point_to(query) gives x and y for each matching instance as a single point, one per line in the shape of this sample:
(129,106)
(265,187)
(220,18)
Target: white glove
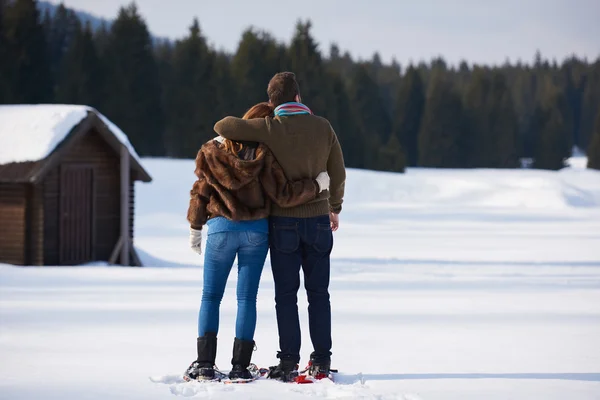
(323,181)
(196,240)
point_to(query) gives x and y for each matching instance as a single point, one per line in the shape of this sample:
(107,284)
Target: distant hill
(84,17)
(95,22)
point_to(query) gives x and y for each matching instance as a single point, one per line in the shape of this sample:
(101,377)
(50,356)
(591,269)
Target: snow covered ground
(446,284)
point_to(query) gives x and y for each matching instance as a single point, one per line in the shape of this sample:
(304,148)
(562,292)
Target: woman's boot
(204,366)
(242,354)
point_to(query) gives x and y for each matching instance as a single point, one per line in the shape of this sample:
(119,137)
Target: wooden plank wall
(131,205)
(12,223)
(77,203)
(35,225)
(51,216)
(90,149)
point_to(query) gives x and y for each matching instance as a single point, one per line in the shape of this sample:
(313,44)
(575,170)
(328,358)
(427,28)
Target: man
(304,145)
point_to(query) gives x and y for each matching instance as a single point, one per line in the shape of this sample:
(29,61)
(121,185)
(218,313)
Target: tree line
(167,95)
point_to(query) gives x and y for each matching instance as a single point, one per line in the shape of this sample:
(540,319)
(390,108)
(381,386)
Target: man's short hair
(283,88)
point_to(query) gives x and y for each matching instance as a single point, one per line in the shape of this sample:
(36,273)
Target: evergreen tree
(5,72)
(591,102)
(163,54)
(504,125)
(391,156)
(556,80)
(593,152)
(61,30)
(441,141)
(438,64)
(343,121)
(463,75)
(573,80)
(256,60)
(523,93)
(101,39)
(477,108)
(81,80)
(376,64)
(133,90)
(371,118)
(491,129)
(226,92)
(341,64)
(552,145)
(408,113)
(306,62)
(191,98)
(387,78)
(30,79)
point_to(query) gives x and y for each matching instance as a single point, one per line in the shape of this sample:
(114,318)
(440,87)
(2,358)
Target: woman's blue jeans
(221,249)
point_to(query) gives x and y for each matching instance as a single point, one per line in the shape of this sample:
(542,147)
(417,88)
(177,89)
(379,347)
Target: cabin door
(76,214)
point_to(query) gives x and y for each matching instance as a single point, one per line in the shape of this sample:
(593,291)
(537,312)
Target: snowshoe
(196,372)
(319,370)
(315,371)
(245,375)
(286,371)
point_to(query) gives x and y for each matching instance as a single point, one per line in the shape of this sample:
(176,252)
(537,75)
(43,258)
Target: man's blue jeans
(306,243)
(221,249)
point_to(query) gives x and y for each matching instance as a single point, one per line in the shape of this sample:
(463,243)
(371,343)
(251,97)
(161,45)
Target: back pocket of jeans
(324,238)
(285,238)
(217,241)
(257,238)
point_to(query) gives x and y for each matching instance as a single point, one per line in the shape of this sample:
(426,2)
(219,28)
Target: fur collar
(227,169)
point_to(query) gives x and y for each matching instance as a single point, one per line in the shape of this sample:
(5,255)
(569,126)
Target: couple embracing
(273,179)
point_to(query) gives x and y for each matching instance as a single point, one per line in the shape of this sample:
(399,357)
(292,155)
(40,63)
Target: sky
(478,31)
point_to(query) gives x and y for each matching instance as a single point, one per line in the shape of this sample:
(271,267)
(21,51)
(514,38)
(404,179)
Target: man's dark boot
(242,354)
(286,371)
(204,366)
(319,368)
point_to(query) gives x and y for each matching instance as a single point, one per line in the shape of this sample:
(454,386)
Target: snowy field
(446,285)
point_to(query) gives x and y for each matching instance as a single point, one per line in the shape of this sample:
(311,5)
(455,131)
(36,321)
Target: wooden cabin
(67,192)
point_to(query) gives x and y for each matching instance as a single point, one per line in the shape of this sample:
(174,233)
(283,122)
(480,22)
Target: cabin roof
(33,137)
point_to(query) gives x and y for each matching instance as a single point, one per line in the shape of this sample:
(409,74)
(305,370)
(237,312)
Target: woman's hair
(260,110)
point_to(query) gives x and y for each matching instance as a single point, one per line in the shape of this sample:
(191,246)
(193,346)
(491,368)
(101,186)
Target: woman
(237,183)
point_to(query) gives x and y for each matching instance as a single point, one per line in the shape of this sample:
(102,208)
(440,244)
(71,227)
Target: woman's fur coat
(242,190)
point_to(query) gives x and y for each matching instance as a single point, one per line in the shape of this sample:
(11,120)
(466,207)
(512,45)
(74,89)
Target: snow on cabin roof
(32,132)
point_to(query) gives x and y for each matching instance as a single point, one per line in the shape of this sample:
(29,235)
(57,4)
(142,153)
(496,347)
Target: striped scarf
(291,108)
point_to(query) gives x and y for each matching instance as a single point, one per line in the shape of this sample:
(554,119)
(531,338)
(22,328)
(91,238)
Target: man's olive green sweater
(304,145)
